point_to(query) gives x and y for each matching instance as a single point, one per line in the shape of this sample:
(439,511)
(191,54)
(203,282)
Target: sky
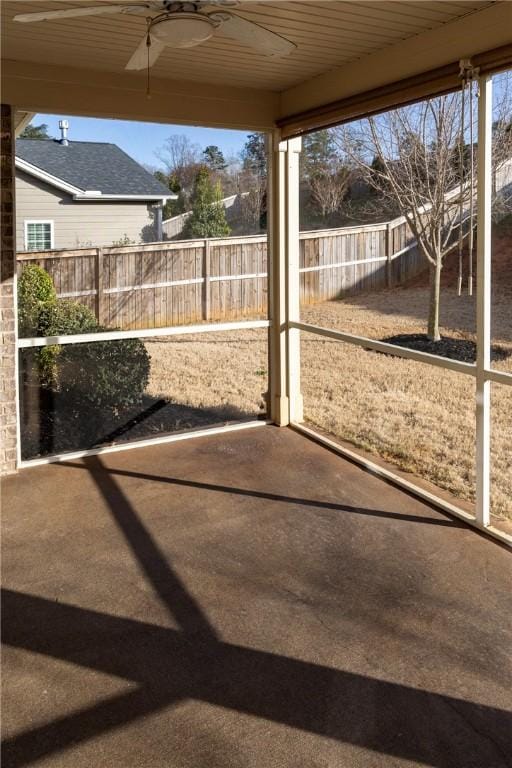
(140,140)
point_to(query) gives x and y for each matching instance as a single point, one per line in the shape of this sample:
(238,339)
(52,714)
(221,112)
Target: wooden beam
(67,90)
(21,120)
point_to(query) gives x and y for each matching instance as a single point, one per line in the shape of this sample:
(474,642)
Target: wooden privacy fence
(175,283)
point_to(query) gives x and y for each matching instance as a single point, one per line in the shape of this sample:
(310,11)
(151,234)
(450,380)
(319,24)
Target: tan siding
(78,224)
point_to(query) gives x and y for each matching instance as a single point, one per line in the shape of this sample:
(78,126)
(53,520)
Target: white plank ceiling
(328,34)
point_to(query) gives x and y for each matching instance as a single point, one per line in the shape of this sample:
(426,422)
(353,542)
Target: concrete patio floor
(247,600)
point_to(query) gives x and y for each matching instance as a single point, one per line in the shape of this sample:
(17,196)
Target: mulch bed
(455,349)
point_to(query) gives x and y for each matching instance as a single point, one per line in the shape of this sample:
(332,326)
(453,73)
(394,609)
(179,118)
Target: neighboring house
(78,193)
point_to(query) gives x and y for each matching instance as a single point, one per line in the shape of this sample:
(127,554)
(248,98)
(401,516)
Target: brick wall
(7,313)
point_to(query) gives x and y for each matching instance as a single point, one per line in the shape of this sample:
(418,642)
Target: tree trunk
(435,297)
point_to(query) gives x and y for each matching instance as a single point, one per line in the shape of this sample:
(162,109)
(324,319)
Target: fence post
(206,281)
(389,255)
(98,279)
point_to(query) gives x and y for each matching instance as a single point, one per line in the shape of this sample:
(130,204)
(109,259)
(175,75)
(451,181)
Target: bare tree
(502,145)
(328,189)
(252,181)
(410,156)
(252,191)
(322,174)
(181,158)
(177,152)
(418,158)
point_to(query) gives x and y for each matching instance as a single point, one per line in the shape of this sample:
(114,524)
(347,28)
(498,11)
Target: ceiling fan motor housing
(181,29)
(179,24)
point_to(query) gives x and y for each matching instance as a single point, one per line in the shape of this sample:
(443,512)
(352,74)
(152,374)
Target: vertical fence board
(135,287)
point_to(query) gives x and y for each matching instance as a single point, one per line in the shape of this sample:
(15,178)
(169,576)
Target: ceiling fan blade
(139,59)
(249,33)
(69,13)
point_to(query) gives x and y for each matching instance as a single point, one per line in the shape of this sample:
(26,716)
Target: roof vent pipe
(63,125)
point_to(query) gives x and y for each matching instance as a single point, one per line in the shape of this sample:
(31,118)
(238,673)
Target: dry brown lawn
(415,416)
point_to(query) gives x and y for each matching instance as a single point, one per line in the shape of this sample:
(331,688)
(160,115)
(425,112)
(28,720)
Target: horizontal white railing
(139,333)
(389,349)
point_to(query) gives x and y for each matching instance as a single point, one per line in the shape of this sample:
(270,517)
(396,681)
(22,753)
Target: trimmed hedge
(66,317)
(92,382)
(103,375)
(35,290)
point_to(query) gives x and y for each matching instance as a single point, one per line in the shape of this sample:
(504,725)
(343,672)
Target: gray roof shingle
(91,165)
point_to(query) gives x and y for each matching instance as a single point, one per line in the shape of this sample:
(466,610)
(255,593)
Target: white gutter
(100,196)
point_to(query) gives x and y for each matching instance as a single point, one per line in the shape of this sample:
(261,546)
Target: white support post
(293,150)
(276,251)
(285,398)
(483,303)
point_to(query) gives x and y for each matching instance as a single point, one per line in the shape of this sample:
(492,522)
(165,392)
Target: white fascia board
(33,170)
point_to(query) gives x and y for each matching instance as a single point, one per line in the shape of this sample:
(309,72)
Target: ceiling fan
(179,25)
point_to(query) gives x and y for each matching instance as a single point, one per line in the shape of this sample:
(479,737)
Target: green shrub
(35,291)
(66,317)
(124,240)
(94,377)
(61,318)
(103,377)
(208,217)
(87,383)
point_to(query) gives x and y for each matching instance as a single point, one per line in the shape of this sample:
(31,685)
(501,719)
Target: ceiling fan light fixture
(184,30)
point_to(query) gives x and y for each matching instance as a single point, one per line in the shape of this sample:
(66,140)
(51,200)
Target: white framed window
(38,235)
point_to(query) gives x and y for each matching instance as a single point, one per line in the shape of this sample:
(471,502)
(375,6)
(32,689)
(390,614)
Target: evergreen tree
(35,132)
(323,175)
(318,154)
(254,155)
(171,180)
(208,217)
(162,177)
(218,224)
(378,169)
(253,180)
(214,158)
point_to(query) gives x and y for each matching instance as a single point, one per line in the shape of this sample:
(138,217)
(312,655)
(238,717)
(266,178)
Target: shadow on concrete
(48,427)
(167,666)
(334,506)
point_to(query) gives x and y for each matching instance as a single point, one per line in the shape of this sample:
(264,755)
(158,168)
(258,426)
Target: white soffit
(328,35)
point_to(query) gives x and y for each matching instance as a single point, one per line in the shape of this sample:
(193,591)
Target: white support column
(283,227)
(278,406)
(293,150)
(483,302)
